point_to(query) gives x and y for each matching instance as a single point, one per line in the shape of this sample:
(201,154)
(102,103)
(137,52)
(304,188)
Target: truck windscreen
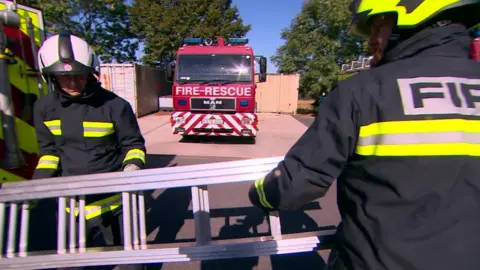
(214,67)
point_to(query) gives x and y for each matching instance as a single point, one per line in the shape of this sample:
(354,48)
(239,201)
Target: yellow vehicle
(22,33)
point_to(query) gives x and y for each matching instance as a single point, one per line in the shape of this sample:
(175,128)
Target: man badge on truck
(212,103)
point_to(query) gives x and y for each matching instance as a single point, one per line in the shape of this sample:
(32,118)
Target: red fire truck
(475,46)
(214,87)
(21,34)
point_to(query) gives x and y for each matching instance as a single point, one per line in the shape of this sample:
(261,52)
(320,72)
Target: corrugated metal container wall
(279,94)
(150,83)
(120,79)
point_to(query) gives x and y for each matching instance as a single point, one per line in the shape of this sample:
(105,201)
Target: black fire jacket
(94,133)
(403,142)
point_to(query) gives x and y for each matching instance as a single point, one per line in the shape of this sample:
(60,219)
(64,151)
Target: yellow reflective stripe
(6,177)
(26,136)
(48,162)
(97,208)
(261,193)
(17,77)
(25,83)
(416,126)
(97,129)
(135,154)
(446,137)
(54,126)
(448,149)
(37,29)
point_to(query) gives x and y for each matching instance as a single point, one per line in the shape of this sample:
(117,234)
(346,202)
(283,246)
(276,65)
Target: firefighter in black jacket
(84,129)
(402,140)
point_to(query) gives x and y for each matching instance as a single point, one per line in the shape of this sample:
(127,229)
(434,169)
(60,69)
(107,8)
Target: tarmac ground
(169,214)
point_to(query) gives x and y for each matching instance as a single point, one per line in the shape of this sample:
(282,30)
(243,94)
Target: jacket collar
(446,41)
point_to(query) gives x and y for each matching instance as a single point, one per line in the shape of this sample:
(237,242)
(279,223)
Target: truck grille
(213,104)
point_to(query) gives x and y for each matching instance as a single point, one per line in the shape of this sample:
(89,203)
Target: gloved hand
(131,167)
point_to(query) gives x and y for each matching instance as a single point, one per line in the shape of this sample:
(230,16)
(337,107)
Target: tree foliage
(163,24)
(104,24)
(317,43)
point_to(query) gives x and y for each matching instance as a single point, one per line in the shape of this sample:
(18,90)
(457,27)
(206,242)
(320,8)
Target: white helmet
(66,54)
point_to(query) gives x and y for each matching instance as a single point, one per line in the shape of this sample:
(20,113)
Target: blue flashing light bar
(192,41)
(476,33)
(238,41)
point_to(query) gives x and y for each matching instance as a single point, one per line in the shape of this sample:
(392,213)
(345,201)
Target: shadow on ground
(291,222)
(218,139)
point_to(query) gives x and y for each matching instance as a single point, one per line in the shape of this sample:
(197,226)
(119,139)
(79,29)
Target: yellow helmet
(410,13)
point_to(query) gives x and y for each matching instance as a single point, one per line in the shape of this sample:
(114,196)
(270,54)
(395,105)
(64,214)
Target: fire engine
(21,34)
(213,88)
(475,46)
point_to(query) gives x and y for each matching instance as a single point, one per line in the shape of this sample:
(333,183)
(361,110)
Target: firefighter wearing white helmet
(402,141)
(84,129)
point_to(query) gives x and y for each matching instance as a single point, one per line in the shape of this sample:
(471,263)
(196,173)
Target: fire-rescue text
(213,91)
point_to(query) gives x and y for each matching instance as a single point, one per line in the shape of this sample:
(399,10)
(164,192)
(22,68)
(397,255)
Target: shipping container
(140,85)
(279,94)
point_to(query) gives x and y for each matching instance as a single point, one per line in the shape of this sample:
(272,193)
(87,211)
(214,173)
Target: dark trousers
(101,231)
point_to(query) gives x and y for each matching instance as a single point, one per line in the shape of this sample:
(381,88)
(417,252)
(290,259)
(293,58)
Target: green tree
(317,43)
(163,24)
(104,24)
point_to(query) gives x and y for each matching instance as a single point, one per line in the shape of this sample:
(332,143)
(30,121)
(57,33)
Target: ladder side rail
(196,179)
(133,181)
(148,172)
(304,242)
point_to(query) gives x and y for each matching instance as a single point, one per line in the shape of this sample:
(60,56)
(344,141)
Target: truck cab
(213,92)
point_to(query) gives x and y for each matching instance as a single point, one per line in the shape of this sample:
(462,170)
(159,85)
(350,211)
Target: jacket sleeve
(129,135)
(49,162)
(315,160)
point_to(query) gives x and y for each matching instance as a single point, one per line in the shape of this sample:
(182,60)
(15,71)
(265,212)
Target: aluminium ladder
(73,253)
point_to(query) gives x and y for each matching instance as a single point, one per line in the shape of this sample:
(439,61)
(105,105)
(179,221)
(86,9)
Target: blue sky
(268,18)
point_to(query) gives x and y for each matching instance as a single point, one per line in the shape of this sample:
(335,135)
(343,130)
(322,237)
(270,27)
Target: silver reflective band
(97,129)
(91,129)
(48,162)
(421,138)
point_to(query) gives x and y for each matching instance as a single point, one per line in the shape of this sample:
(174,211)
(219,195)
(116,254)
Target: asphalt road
(307,120)
(169,212)
(170,215)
